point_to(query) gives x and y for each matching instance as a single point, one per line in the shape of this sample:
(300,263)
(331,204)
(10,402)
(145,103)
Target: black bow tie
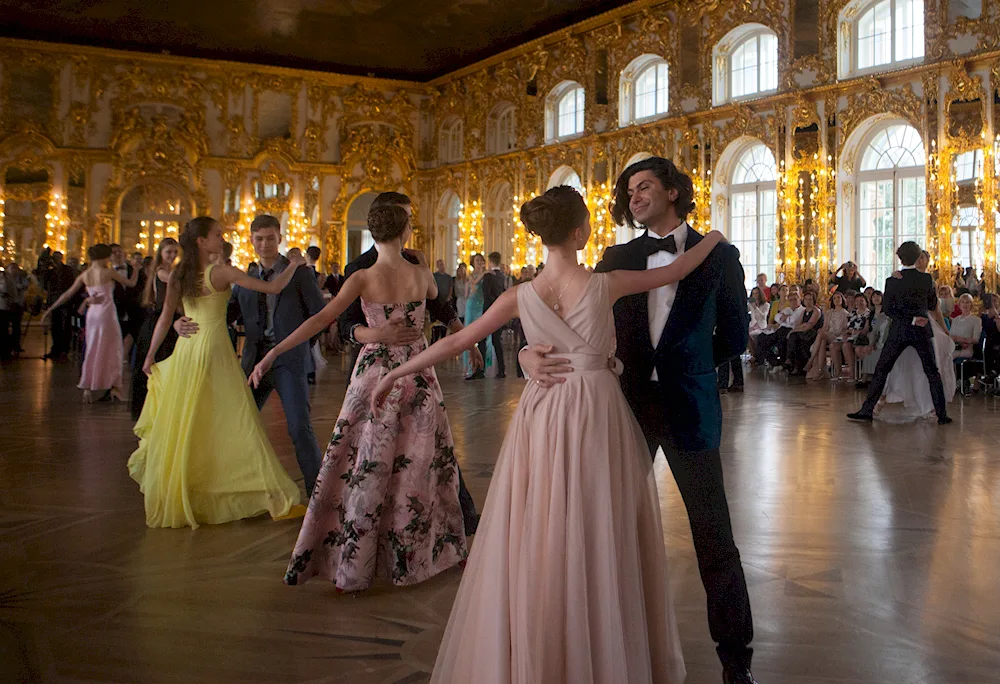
(655,244)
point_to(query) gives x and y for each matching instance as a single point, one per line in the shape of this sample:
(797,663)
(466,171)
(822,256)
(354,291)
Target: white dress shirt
(791,318)
(661,300)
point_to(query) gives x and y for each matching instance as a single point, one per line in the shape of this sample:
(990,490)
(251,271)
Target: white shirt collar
(680,235)
(907,268)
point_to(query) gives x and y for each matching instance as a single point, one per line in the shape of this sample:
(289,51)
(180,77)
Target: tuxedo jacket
(908,297)
(708,326)
(297,302)
(493,287)
(355,315)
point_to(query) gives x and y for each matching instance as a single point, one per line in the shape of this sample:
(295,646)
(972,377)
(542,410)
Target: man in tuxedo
(907,301)
(267,320)
(494,284)
(670,341)
(56,278)
(354,327)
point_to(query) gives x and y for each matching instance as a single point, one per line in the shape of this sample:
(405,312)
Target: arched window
(880,33)
(501,133)
(891,199)
(746,63)
(564,108)
(450,142)
(642,91)
(565,175)
(753,211)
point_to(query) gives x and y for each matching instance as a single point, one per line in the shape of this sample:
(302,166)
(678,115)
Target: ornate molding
(874,99)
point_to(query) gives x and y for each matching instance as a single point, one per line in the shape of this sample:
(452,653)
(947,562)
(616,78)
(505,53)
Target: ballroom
(817,136)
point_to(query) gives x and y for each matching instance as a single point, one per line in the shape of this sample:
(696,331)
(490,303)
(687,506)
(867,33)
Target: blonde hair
(967,298)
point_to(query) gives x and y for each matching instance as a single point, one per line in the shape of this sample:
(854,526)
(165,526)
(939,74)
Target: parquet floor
(872,553)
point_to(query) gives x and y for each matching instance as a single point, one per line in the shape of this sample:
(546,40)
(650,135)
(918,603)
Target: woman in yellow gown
(204,456)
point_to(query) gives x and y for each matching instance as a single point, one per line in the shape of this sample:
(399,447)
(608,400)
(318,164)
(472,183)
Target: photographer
(847,279)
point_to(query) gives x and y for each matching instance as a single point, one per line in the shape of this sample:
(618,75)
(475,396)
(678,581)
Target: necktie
(655,244)
(265,275)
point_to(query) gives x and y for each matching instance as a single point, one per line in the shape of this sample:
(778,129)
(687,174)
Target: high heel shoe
(117,396)
(88,397)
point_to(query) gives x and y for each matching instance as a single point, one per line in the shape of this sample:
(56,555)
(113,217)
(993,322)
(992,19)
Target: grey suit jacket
(297,302)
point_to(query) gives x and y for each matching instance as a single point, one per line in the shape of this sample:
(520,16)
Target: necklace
(557,306)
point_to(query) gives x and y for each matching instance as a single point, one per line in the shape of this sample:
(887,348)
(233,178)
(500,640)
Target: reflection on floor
(872,552)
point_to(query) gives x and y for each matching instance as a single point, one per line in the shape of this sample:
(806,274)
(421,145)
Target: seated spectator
(771,346)
(762,285)
(991,331)
(832,334)
(877,335)
(947,304)
(778,304)
(967,332)
(759,309)
(858,327)
(847,278)
(802,336)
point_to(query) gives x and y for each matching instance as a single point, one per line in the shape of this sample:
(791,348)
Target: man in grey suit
(267,320)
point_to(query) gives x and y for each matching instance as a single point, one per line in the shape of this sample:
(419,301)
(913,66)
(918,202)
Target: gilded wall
(104,145)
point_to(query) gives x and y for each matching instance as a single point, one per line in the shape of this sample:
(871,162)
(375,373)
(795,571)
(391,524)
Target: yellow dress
(204,456)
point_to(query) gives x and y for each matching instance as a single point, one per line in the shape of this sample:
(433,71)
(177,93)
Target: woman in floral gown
(386,500)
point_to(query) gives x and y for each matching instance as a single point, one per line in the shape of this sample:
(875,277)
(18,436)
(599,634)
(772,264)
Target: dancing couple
(911,302)
(567,581)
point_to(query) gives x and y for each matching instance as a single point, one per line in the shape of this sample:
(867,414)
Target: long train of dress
(907,384)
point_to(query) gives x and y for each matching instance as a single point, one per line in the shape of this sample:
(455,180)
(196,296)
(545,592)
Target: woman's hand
(381,392)
(296,261)
(147,366)
(260,370)
(418,255)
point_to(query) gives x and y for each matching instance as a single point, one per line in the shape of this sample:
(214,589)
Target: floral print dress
(386,501)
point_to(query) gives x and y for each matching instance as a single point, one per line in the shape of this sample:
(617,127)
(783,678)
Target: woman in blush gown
(907,384)
(386,500)
(567,581)
(102,360)
(204,456)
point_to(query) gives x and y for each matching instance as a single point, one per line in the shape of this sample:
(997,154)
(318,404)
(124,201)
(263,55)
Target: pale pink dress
(102,358)
(386,500)
(567,579)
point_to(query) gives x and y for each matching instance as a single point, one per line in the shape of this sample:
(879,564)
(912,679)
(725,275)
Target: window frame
(628,97)
(757,188)
(852,25)
(553,114)
(723,52)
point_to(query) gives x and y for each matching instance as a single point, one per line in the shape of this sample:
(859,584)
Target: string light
(470,231)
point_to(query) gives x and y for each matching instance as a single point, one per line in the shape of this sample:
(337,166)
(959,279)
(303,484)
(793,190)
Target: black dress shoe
(863,417)
(478,375)
(738,389)
(945,420)
(501,376)
(737,675)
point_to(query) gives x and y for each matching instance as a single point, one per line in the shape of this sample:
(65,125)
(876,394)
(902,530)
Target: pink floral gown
(386,501)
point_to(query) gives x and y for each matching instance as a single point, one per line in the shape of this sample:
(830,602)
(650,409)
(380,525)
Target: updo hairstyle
(555,215)
(386,223)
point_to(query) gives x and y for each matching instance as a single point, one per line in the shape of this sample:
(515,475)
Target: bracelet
(353,328)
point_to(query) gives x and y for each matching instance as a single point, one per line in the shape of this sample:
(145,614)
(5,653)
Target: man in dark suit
(267,320)
(907,301)
(670,341)
(494,284)
(56,278)
(354,326)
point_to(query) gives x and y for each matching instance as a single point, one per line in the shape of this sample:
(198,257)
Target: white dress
(908,385)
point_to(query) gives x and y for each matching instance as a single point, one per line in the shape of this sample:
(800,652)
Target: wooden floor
(872,552)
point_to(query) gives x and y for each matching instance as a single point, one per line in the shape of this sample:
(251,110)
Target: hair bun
(554,215)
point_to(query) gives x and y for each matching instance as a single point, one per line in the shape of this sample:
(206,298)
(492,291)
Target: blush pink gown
(102,359)
(567,579)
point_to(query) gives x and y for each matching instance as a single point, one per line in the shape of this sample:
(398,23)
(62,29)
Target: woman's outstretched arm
(624,283)
(503,310)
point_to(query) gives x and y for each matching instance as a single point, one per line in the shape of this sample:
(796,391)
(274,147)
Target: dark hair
(670,178)
(495,258)
(390,199)
(759,297)
(313,252)
(872,299)
(809,293)
(148,296)
(264,221)
(99,251)
(555,215)
(387,222)
(843,300)
(472,259)
(187,273)
(113,245)
(227,250)
(908,253)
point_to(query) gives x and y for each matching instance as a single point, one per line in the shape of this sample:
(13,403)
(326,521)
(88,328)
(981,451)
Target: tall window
(745,63)
(753,211)
(969,166)
(643,90)
(892,199)
(450,142)
(887,32)
(564,110)
(501,135)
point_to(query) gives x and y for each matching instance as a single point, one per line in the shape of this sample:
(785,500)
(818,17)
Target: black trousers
(736,366)
(61,331)
(797,346)
(901,337)
(497,348)
(699,478)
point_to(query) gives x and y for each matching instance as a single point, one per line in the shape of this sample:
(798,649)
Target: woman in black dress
(153,296)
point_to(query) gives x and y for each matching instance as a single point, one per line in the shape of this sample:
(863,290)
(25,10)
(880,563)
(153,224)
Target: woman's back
(398,283)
